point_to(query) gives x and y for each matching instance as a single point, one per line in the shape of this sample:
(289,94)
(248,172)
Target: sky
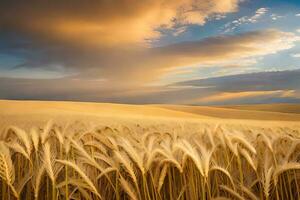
(197,52)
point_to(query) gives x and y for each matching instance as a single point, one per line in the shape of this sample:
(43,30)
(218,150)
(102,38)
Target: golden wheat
(122,162)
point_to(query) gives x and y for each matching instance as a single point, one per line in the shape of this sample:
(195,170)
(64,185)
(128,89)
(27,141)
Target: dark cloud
(264,87)
(277,80)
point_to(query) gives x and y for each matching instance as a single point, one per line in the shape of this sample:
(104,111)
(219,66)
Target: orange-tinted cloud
(148,65)
(106,23)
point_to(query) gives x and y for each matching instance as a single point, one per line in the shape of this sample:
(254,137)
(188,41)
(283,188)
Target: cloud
(275,17)
(276,80)
(297,15)
(213,51)
(71,89)
(281,86)
(106,23)
(179,31)
(296,55)
(103,50)
(142,66)
(106,39)
(224,97)
(259,13)
(262,87)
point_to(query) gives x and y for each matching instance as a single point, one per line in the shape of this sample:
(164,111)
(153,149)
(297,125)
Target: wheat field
(106,151)
(77,161)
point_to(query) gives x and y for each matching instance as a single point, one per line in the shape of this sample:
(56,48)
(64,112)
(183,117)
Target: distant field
(269,112)
(283,108)
(30,113)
